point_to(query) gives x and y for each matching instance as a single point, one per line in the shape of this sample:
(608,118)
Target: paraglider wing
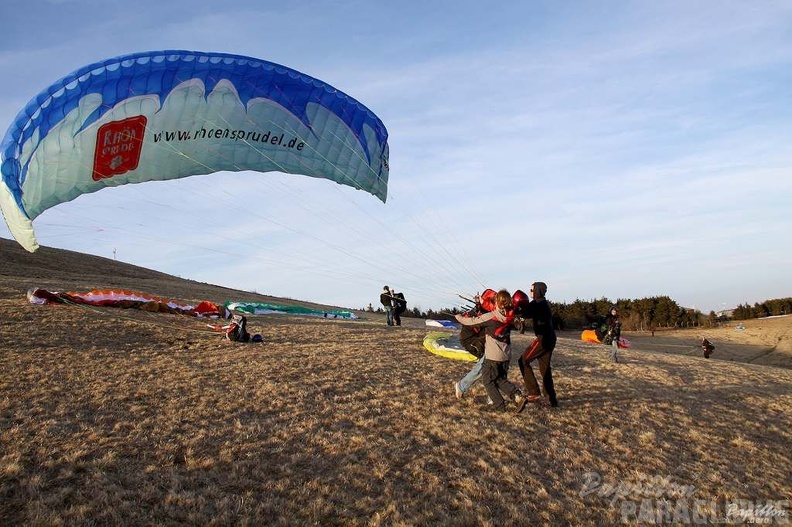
(268,308)
(447,345)
(123,299)
(172,114)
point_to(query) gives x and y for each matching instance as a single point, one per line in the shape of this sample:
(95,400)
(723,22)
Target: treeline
(768,308)
(645,314)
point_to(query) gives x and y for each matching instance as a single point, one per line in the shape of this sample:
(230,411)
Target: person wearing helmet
(613,332)
(472,339)
(497,352)
(541,348)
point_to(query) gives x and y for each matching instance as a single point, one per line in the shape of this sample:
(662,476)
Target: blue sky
(610,149)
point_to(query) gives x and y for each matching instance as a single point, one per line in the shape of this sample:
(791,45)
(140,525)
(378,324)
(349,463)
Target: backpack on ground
(237,331)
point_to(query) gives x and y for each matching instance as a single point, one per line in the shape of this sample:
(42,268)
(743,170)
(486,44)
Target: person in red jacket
(497,352)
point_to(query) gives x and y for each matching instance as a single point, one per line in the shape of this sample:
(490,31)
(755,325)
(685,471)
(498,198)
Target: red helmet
(488,300)
(520,299)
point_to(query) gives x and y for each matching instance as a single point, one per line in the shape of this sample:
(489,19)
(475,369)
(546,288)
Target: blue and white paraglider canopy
(171,114)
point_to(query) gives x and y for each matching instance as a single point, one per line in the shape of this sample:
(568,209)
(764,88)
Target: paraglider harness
(237,331)
(609,329)
(471,337)
(399,306)
(503,332)
(399,303)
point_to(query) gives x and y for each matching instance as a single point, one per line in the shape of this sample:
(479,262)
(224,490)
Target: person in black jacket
(399,306)
(706,347)
(541,349)
(613,332)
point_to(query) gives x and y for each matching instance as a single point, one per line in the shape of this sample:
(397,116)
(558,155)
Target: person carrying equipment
(399,306)
(472,339)
(497,352)
(387,302)
(706,347)
(613,333)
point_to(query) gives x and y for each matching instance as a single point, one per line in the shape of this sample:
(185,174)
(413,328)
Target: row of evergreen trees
(662,312)
(636,315)
(768,308)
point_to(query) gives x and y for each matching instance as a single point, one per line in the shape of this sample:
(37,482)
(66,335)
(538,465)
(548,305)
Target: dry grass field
(766,341)
(122,417)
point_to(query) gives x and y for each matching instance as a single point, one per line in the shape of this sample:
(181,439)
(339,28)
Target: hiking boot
(458,391)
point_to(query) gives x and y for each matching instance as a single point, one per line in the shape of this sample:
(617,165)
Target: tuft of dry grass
(129,418)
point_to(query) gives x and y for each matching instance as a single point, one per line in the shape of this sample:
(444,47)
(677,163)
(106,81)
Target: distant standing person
(497,352)
(399,306)
(613,333)
(541,349)
(386,299)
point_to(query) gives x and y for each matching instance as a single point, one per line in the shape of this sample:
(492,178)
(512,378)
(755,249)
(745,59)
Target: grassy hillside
(126,418)
(60,270)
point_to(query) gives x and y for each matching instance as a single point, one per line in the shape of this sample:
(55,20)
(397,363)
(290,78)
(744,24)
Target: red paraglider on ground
(125,300)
